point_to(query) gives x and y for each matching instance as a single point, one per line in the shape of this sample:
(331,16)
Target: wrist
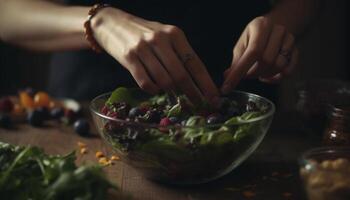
(107,15)
(90,35)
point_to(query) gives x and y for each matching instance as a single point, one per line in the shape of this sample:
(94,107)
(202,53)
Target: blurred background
(323,54)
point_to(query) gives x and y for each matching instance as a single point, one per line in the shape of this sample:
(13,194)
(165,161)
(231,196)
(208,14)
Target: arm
(155,54)
(42,25)
(266,48)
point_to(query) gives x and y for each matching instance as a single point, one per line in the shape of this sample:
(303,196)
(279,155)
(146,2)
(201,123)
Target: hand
(265,51)
(158,56)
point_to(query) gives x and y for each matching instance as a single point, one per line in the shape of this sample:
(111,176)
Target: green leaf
(159,99)
(174,111)
(29,173)
(122,94)
(165,149)
(195,121)
(244,117)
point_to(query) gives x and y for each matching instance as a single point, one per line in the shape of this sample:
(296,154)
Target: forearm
(42,25)
(295,15)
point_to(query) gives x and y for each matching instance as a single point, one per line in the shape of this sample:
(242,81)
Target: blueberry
(82,127)
(44,112)
(134,112)
(35,118)
(251,107)
(57,113)
(5,121)
(173,120)
(214,118)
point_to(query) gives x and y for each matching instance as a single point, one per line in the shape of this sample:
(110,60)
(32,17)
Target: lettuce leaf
(122,94)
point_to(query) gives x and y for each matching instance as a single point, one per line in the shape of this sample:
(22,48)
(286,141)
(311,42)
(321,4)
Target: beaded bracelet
(89,36)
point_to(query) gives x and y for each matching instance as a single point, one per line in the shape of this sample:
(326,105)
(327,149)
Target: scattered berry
(6,105)
(35,118)
(57,113)
(5,121)
(70,116)
(82,127)
(44,112)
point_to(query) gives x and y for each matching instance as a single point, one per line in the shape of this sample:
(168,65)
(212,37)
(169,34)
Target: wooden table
(270,173)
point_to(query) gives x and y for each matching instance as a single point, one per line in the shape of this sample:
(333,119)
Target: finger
(257,42)
(266,64)
(195,67)
(272,80)
(292,64)
(238,51)
(286,72)
(177,71)
(137,70)
(283,57)
(156,69)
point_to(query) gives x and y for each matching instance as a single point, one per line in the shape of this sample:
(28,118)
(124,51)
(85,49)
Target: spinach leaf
(29,173)
(122,94)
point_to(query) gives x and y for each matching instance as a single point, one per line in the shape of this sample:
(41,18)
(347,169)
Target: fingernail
(225,89)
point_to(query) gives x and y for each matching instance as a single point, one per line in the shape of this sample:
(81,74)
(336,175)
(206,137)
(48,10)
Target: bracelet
(89,36)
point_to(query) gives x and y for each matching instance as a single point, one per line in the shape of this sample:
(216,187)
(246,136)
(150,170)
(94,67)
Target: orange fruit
(42,99)
(26,100)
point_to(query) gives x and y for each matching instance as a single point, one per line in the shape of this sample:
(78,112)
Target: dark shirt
(212,28)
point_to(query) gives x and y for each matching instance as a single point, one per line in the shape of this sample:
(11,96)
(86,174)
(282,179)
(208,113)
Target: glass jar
(311,111)
(325,171)
(313,98)
(337,131)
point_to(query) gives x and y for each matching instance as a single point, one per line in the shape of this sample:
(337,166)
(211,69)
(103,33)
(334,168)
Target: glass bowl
(160,155)
(325,173)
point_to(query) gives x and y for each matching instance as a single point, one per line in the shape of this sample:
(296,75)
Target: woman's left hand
(265,51)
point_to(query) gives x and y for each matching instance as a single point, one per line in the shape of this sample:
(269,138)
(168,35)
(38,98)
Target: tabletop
(270,173)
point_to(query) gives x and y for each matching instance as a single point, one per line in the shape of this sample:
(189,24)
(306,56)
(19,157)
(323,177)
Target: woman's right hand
(158,56)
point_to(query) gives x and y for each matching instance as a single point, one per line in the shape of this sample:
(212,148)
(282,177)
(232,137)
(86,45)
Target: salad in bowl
(171,140)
